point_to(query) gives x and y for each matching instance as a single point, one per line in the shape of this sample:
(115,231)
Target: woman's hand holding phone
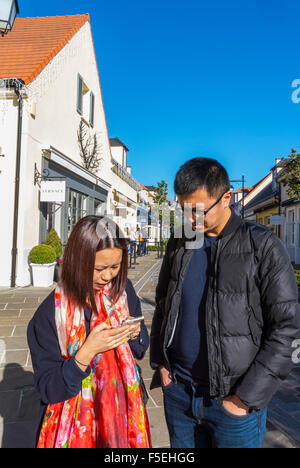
(101,339)
(135,322)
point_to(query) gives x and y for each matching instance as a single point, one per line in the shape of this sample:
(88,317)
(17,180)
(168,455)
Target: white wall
(8,142)
(55,124)
(118,154)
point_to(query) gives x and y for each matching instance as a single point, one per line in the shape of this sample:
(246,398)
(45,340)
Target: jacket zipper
(176,290)
(216,323)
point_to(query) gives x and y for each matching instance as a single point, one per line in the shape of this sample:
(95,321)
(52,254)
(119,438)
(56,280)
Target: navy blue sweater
(58,379)
(188,353)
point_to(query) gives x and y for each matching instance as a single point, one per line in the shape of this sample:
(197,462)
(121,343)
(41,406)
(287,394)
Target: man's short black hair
(202,173)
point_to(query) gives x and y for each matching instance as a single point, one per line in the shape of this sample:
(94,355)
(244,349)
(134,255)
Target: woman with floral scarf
(83,357)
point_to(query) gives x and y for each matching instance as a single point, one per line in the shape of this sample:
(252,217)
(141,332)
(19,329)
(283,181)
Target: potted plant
(297,273)
(42,260)
(55,242)
(53,239)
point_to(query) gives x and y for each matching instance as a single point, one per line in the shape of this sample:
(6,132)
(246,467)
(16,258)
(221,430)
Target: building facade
(269,204)
(290,213)
(125,189)
(59,89)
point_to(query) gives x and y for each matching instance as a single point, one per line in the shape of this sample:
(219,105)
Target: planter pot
(43,275)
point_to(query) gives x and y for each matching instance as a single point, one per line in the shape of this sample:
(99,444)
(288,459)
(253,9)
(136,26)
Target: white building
(125,189)
(250,214)
(52,62)
(290,213)
(147,217)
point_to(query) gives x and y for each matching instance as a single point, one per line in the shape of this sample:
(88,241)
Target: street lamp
(8,12)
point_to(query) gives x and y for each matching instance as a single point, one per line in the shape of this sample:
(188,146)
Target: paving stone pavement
(19,402)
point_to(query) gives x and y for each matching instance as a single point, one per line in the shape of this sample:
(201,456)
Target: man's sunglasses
(194,210)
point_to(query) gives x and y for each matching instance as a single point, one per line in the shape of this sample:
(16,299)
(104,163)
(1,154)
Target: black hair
(91,235)
(202,173)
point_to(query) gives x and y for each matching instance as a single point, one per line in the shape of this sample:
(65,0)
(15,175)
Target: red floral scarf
(109,411)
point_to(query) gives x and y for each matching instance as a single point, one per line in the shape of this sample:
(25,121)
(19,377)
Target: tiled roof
(33,42)
(246,189)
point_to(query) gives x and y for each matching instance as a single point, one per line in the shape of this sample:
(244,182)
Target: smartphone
(131,321)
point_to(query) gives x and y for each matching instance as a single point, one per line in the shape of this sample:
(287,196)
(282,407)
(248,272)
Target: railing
(140,249)
(123,174)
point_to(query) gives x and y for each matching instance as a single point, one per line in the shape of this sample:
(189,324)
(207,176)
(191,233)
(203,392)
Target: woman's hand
(136,330)
(101,339)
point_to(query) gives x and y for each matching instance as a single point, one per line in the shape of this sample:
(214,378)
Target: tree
(160,193)
(160,199)
(89,147)
(291,175)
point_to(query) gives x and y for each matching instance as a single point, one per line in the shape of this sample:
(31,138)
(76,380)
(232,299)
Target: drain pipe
(17,86)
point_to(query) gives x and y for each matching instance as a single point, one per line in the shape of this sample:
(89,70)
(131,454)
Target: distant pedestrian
(132,240)
(144,235)
(225,320)
(139,239)
(83,358)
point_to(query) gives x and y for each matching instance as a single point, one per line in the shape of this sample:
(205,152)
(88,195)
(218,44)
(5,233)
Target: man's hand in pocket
(234,405)
(165,376)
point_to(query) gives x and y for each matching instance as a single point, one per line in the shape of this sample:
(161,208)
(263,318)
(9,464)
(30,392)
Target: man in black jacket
(225,321)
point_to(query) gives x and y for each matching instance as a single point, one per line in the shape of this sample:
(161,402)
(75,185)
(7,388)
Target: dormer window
(85,102)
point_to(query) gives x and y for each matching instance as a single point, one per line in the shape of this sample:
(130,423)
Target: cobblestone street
(19,402)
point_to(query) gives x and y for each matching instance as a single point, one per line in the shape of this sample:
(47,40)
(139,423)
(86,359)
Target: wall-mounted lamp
(8,12)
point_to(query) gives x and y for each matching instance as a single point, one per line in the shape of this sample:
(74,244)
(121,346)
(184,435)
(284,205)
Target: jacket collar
(233,224)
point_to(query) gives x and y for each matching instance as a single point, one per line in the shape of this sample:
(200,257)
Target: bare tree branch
(89,147)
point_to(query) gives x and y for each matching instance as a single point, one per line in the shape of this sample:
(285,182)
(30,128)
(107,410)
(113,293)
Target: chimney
(129,169)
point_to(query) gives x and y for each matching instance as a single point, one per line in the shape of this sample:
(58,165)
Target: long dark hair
(90,235)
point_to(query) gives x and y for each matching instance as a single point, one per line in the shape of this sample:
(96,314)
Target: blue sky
(194,78)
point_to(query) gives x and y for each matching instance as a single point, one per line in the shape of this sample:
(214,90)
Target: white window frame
(291,235)
(85,102)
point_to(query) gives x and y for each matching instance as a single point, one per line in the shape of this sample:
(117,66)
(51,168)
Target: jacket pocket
(255,329)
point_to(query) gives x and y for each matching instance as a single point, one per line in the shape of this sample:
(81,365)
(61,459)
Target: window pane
(291,216)
(79,94)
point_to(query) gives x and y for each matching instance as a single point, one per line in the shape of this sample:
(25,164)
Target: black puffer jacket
(252,311)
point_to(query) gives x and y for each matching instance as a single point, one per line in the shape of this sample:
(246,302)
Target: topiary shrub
(42,255)
(55,242)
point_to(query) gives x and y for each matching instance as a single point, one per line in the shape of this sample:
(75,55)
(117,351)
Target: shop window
(54,219)
(99,208)
(77,209)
